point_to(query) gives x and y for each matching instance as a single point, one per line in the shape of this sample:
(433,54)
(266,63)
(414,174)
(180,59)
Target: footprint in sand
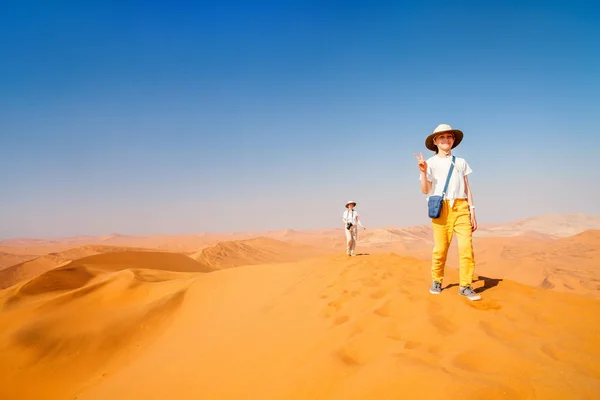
(485,305)
(443,325)
(379,293)
(363,348)
(384,310)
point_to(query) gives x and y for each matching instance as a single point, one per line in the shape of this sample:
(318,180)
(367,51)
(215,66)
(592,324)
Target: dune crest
(10,259)
(25,270)
(78,319)
(252,251)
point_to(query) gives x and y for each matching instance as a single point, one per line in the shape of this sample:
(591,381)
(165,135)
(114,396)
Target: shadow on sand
(488,283)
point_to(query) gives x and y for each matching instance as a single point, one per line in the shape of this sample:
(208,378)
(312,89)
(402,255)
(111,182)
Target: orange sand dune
(327,328)
(563,264)
(557,225)
(252,251)
(37,250)
(9,259)
(380,239)
(328,239)
(176,243)
(28,269)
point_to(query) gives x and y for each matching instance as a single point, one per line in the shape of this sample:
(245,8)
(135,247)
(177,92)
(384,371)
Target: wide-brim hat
(443,128)
(350,202)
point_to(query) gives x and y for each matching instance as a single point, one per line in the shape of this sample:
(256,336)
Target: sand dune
(9,259)
(563,264)
(252,251)
(78,319)
(557,225)
(28,269)
(568,264)
(326,328)
(414,240)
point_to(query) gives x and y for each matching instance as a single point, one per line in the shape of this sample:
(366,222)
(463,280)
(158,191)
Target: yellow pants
(453,220)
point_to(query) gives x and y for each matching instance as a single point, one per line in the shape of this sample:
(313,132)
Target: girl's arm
(425,184)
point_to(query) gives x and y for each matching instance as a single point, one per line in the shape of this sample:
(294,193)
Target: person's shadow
(488,283)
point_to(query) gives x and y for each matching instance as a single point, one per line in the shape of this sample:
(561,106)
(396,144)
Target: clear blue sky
(178,117)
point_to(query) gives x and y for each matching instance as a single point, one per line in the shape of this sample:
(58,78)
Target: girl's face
(444,141)
(350,206)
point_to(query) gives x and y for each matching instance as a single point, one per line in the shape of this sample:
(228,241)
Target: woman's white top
(351,216)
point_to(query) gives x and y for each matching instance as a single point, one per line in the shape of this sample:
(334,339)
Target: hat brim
(458,137)
(350,202)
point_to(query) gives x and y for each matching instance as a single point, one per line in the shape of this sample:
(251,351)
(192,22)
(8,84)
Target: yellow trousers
(455,219)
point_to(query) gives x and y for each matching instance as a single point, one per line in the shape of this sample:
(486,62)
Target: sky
(188,117)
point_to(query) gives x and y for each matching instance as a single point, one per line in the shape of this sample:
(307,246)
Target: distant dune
(389,238)
(9,259)
(558,225)
(331,327)
(28,269)
(252,251)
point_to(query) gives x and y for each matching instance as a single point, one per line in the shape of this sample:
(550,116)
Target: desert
(286,314)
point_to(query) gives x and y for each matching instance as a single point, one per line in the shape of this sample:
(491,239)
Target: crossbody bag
(434,205)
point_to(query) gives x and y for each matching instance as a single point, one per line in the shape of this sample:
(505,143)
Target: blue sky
(185,117)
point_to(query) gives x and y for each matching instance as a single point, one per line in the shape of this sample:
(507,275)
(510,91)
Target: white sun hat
(443,128)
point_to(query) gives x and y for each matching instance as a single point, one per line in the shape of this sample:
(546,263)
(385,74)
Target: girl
(458,212)
(351,221)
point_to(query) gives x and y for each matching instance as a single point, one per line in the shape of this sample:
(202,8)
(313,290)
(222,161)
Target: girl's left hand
(473,223)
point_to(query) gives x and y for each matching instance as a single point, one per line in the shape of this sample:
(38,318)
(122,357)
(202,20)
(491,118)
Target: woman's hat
(443,128)
(350,202)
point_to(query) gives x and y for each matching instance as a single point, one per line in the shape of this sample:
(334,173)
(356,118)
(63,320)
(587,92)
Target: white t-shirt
(437,171)
(351,216)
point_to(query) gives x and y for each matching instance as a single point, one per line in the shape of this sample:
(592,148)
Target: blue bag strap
(448,178)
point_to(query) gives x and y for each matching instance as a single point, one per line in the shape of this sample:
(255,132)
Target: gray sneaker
(436,288)
(469,293)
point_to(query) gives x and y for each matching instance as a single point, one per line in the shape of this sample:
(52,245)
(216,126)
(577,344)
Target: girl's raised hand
(422,163)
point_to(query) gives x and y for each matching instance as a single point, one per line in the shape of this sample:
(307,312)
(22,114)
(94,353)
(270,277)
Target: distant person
(351,222)
(452,210)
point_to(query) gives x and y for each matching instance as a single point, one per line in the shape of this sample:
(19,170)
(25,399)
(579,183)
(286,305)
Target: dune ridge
(25,270)
(551,224)
(10,259)
(259,250)
(331,327)
(79,318)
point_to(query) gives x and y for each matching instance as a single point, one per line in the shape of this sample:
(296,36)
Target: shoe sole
(472,298)
(432,292)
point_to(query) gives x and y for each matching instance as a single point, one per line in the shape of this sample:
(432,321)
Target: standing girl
(351,221)
(457,214)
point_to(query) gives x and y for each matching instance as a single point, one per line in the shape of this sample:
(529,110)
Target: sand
(330,327)
(14,274)
(259,250)
(285,315)
(10,259)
